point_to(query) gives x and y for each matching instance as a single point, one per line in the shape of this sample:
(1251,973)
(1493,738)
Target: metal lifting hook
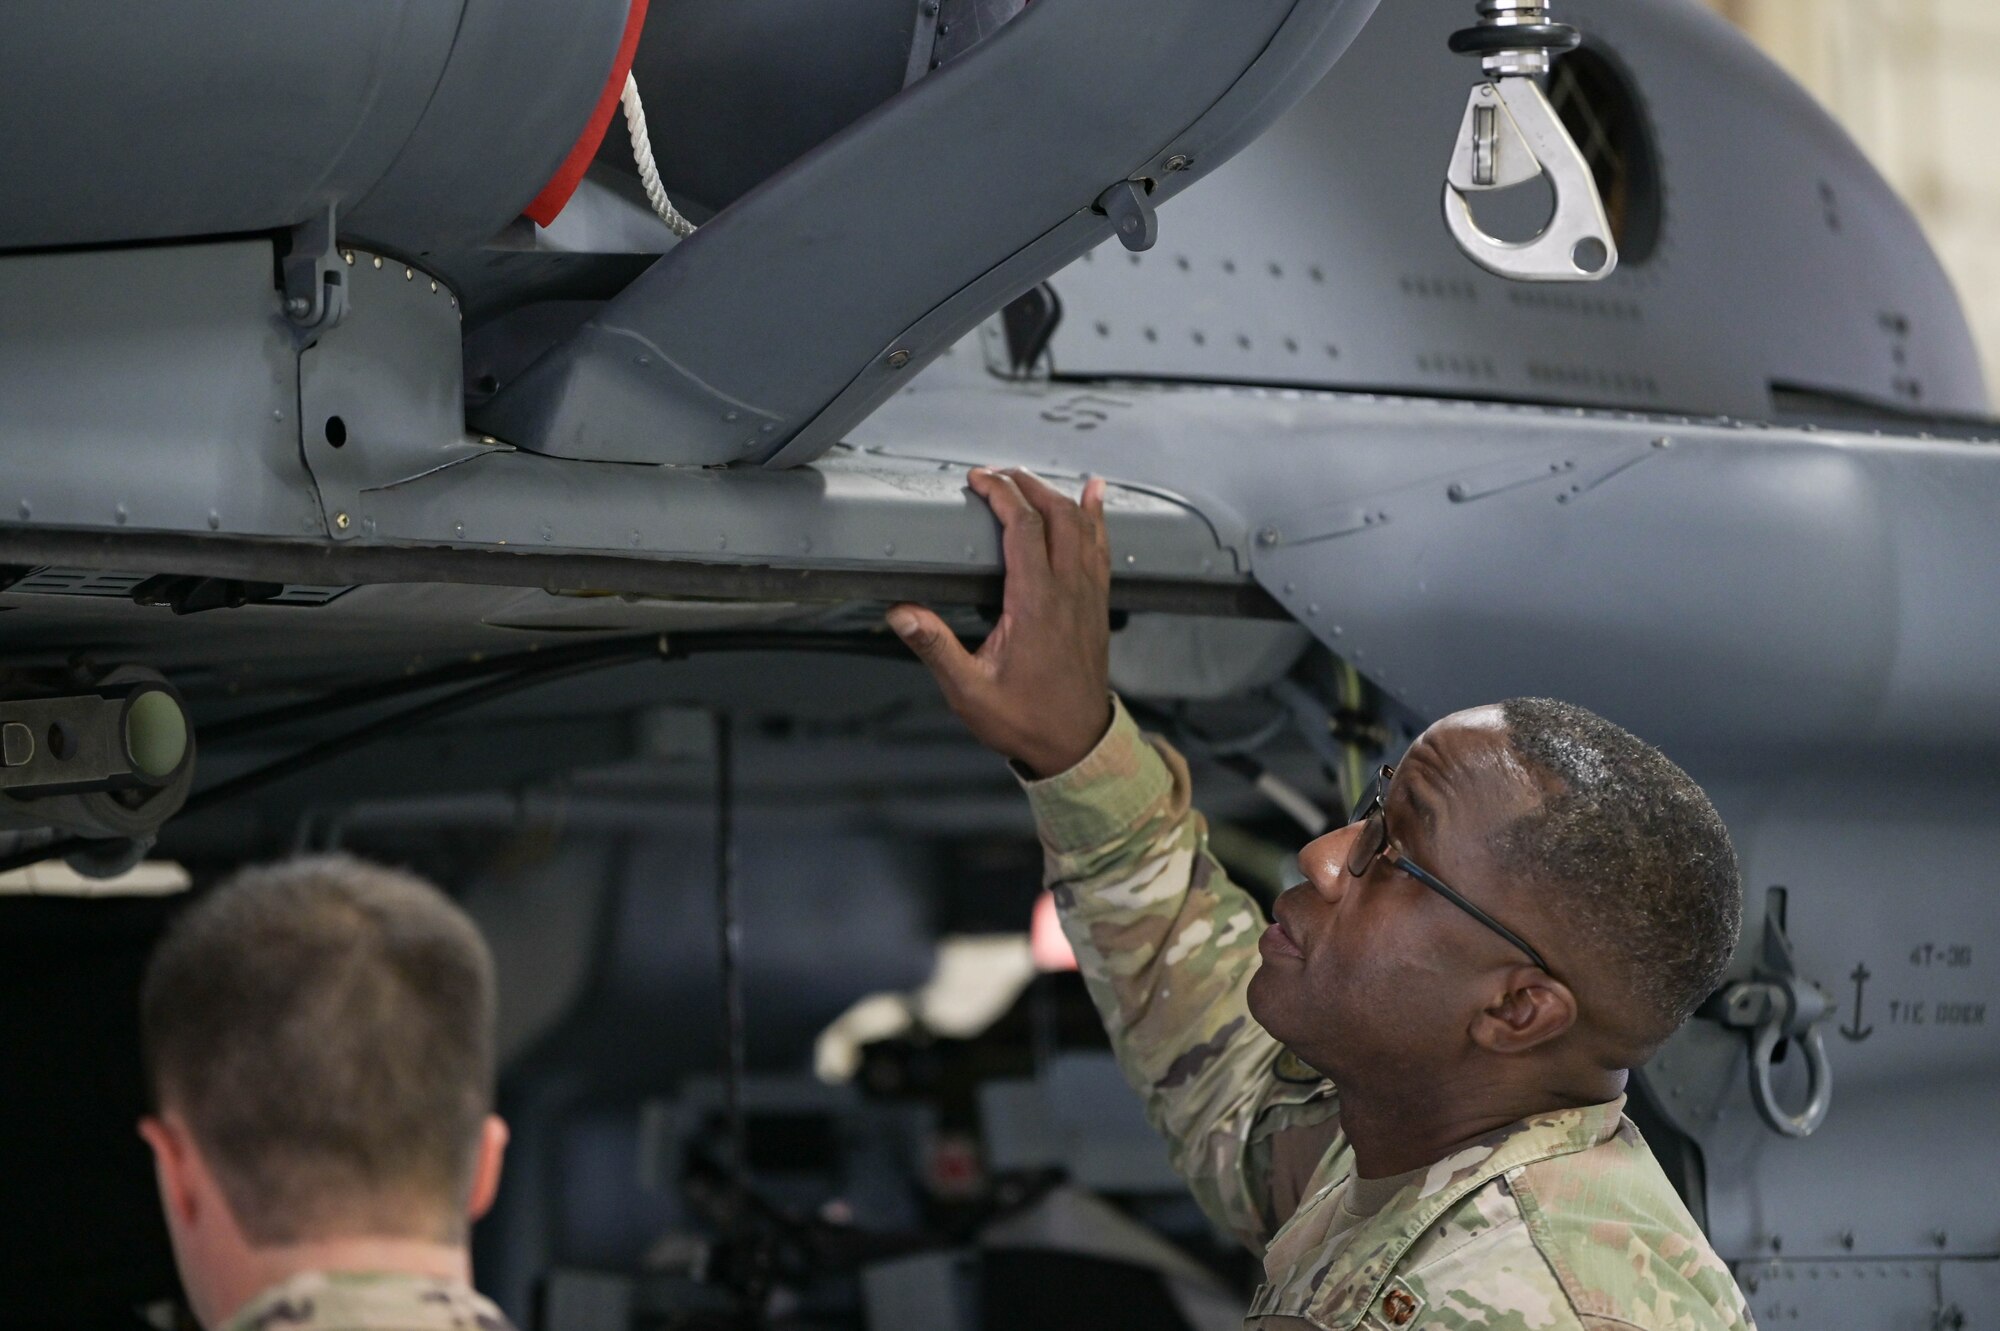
(1775,1007)
(1511,135)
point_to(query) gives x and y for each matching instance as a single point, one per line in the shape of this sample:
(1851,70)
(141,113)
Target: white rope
(649,171)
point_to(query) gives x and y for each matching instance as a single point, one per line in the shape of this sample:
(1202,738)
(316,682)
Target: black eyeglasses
(1374,843)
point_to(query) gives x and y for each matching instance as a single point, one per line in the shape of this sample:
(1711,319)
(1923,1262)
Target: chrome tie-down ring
(1510,135)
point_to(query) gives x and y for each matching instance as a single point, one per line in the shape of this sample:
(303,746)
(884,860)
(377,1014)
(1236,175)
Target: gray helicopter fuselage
(1738,497)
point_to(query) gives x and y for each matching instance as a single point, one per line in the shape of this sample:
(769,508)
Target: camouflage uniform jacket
(355,1302)
(1562,1221)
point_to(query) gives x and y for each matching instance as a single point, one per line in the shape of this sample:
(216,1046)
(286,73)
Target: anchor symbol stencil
(1857,1032)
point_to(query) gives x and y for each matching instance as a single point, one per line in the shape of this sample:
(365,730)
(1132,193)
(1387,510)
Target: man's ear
(486,1166)
(174,1164)
(1531,1009)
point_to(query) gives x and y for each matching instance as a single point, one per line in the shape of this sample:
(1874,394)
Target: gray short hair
(1636,855)
(325,1026)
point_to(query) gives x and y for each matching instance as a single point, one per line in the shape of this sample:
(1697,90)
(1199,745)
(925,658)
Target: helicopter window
(1600,108)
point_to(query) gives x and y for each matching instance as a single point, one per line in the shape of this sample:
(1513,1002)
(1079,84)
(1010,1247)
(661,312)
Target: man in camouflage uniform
(318,1038)
(1411,1109)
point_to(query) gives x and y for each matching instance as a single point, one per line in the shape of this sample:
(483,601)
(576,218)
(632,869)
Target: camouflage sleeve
(1479,1269)
(1167,945)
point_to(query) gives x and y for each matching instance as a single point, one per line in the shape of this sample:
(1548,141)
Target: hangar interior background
(1913,83)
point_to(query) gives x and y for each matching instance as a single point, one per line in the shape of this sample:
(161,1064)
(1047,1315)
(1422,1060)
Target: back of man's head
(325,1028)
(1635,859)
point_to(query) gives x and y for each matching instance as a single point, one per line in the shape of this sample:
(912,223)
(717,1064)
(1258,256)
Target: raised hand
(1037,691)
